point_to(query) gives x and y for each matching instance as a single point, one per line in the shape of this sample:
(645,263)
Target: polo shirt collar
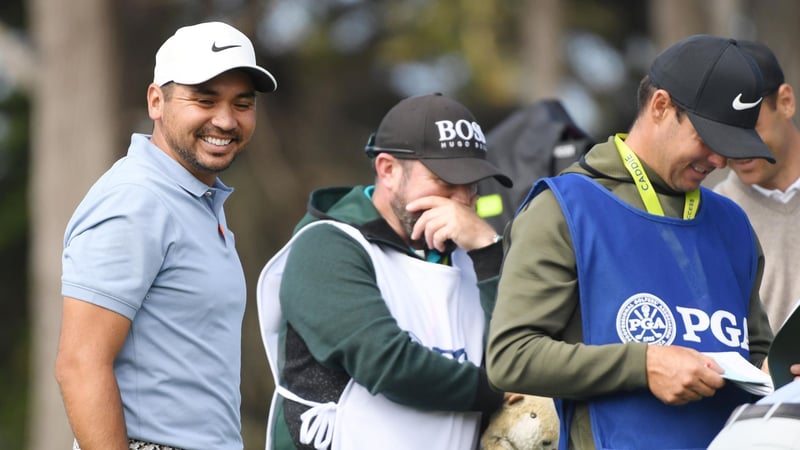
(173,169)
(777,194)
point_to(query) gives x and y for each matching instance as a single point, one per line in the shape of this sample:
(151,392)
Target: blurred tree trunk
(541,49)
(19,62)
(673,20)
(73,127)
(776,25)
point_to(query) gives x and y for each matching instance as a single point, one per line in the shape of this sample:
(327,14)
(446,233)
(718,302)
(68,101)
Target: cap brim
(263,81)
(465,170)
(731,141)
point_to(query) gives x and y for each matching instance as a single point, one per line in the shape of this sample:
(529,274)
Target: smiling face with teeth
(204,126)
(664,138)
(688,160)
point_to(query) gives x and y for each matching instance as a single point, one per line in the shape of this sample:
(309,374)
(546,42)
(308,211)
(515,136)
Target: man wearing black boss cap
(372,314)
(623,274)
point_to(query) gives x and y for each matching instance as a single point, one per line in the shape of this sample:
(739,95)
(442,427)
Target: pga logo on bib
(644,317)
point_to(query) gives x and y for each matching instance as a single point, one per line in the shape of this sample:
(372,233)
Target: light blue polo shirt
(150,242)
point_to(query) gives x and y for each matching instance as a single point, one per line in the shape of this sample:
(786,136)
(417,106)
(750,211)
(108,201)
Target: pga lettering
(652,325)
(721,323)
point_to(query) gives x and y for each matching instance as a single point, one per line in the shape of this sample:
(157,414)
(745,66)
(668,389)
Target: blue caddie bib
(662,281)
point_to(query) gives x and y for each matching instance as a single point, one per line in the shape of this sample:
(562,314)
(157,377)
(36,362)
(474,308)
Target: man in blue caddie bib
(622,272)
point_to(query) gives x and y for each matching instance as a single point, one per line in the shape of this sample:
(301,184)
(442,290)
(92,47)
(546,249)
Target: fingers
(434,227)
(708,382)
(795,369)
(511,397)
(711,364)
(444,220)
(678,375)
(425,203)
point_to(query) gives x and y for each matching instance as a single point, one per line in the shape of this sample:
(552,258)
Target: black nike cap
(720,86)
(771,70)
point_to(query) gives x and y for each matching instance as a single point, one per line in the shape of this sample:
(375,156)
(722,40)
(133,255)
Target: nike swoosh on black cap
(768,64)
(720,86)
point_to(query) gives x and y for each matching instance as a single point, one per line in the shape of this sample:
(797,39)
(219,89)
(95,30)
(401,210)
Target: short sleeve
(114,247)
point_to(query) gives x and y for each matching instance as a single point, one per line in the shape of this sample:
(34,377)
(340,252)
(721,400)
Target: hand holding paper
(742,373)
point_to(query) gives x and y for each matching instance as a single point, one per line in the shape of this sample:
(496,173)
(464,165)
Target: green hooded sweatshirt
(339,327)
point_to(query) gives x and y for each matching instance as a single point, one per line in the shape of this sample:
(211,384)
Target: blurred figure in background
(768,192)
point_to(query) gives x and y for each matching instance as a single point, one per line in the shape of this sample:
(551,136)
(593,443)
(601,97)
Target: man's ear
(155,101)
(659,106)
(785,101)
(387,169)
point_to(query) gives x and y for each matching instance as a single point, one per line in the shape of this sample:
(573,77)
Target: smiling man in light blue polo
(154,292)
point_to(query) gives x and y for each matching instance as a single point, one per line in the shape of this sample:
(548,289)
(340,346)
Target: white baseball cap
(198,53)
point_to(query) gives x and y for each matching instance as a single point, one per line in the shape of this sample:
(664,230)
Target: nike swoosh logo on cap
(739,105)
(216,49)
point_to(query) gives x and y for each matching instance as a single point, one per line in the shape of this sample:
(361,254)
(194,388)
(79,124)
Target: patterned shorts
(133,444)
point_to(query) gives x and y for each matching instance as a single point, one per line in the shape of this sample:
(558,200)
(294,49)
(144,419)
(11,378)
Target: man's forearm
(94,409)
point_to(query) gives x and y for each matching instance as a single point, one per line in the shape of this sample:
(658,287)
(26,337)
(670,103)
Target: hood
(602,163)
(346,204)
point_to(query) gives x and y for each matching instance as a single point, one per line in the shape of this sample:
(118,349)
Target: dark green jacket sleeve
(758,328)
(487,263)
(330,296)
